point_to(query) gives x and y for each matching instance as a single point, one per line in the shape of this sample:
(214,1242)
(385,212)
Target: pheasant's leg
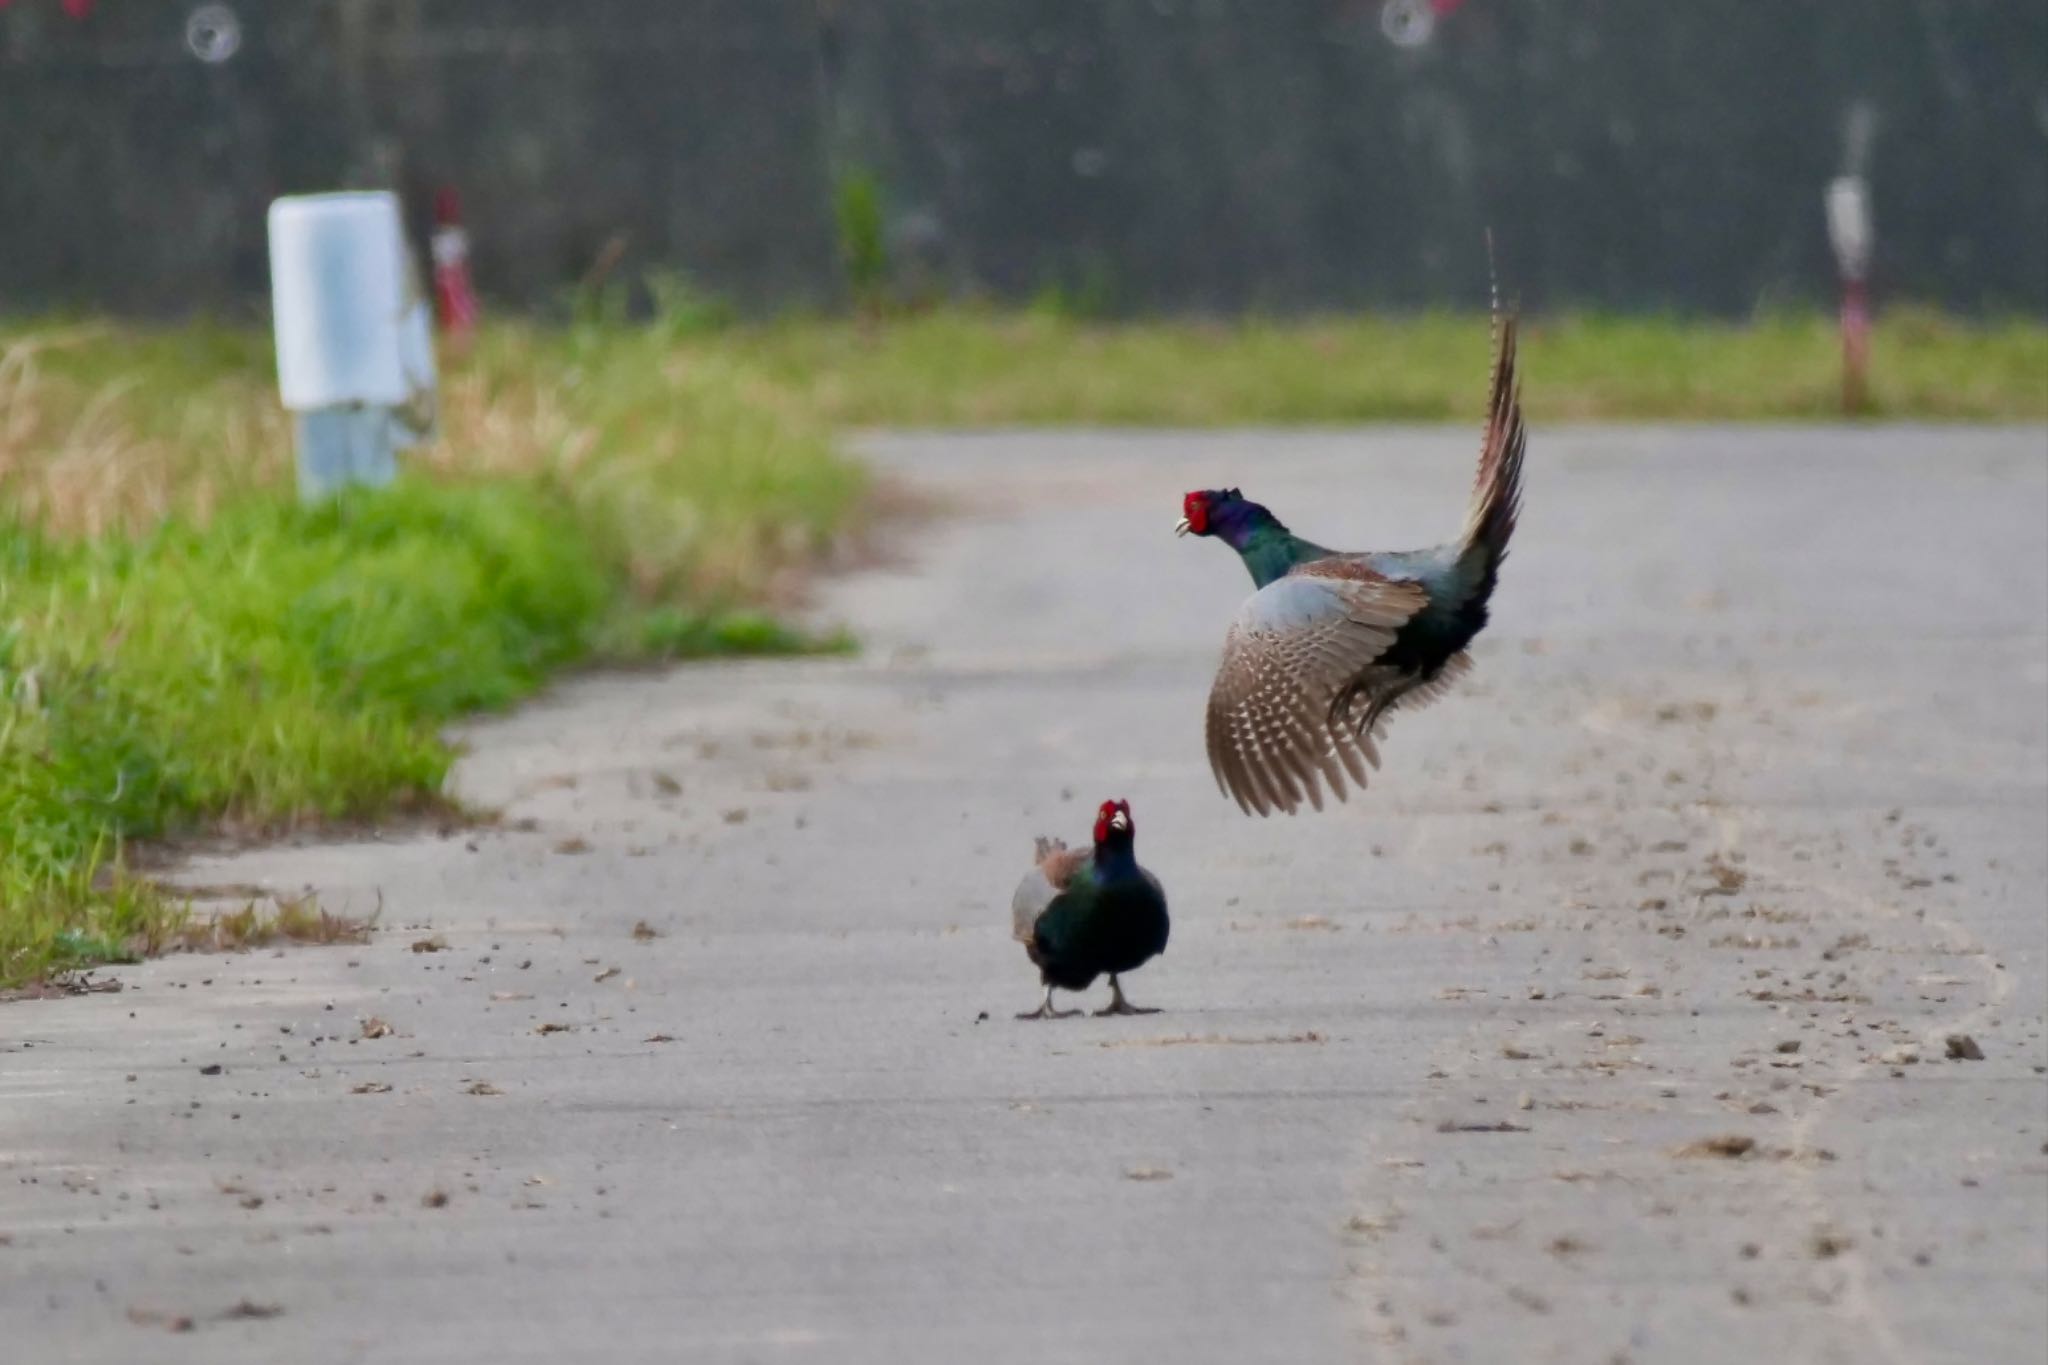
(1045,1009)
(1117,1003)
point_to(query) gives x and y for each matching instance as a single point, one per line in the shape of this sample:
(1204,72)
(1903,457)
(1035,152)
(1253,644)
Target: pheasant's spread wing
(1279,717)
(1055,867)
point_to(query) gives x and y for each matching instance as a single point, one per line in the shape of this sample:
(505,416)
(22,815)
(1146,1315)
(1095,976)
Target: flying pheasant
(1080,913)
(1331,642)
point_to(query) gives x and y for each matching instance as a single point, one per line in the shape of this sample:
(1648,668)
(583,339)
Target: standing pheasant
(1330,642)
(1080,913)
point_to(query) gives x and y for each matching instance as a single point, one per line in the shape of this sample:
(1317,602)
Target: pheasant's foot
(1118,1005)
(1046,1011)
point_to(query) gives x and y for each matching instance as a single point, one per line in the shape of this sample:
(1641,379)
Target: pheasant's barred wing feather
(1278,720)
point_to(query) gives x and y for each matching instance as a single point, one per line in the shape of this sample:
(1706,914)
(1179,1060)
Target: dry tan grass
(710,480)
(89,456)
(706,479)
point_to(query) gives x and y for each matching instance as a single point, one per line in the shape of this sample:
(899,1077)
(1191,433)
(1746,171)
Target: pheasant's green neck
(1270,551)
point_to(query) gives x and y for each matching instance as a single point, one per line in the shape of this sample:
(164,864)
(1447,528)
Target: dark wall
(1213,154)
(134,176)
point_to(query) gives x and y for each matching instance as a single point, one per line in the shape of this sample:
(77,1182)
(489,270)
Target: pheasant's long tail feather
(1497,491)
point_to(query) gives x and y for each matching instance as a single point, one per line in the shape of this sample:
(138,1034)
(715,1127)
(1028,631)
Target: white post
(355,351)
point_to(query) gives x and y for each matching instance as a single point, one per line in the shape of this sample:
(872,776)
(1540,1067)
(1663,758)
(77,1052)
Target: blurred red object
(1855,346)
(455,305)
(74,9)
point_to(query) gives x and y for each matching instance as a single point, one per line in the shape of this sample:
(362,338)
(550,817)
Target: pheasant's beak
(1182,527)
(1119,822)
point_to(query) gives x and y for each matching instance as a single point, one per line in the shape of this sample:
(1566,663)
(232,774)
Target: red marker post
(1850,232)
(455,305)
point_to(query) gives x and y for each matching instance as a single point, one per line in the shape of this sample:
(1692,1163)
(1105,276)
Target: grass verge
(285,665)
(183,645)
(963,368)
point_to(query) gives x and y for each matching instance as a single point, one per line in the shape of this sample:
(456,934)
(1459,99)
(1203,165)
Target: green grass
(283,666)
(964,368)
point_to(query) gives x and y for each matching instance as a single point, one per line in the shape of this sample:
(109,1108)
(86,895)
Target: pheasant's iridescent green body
(1084,913)
(1111,917)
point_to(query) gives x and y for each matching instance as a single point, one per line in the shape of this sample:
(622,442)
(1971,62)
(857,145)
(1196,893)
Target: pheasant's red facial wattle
(1195,508)
(1113,817)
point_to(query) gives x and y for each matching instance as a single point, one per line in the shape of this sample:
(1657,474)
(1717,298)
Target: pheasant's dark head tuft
(1113,822)
(1221,512)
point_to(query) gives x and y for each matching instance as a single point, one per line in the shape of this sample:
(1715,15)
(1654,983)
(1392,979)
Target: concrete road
(1610,1025)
